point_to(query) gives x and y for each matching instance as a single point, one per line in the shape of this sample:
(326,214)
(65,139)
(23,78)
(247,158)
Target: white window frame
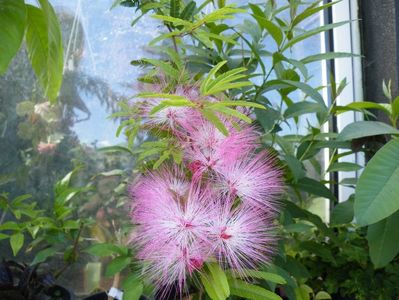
(346,38)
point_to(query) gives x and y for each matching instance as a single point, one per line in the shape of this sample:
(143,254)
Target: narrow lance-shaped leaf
(250,291)
(210,77)
(211,117)
(174,8)
(312,32)
(311,11)
(326,56)
(215,282)
(274,30)
(188,10)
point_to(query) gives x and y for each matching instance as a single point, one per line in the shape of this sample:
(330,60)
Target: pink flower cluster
(219,205)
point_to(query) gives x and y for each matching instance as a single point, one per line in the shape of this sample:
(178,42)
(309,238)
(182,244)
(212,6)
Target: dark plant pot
(339,297)
(98,296)
(53,293)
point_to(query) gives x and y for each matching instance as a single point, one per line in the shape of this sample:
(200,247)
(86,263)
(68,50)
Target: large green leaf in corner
(44,44)
(377,192)
(12,30)
(382,239)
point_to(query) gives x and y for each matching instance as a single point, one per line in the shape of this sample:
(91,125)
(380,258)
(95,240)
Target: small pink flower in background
(46,148)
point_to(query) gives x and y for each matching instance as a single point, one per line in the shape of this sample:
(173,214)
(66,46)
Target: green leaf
(10,225)
(165,67)
(42,255)
(267,118)
(272,277)
(365,128)
(309,33)
(273,29)
(117,265)
(215,282)
(132,288)
(44,45)
(256,10)
(12,29)
(303,107)
(343,167)
(377,190)
(232,112)
(362,105)
(105,250)
(226,81)
(314,187)
(163,37)
(298,228)
(311,11)
(115,149)
(219,277)
(343,213)
(302,293)
(188,11)
(210,77)
(322,296)
(16,242)
(133,293)
(167,103)
(395,107)
(296,167)
(71,224)
(238,103)
(250,291)
(382,239)
(174,57)
(165,155)
(174,8)
(326,56)
(174,20)
(308,90)
(211,117)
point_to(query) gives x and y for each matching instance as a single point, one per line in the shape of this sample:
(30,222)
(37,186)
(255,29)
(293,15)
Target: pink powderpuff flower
(172,232)
(255,179)
(170,117)
(171,265)
(178,221)
(207,148)
(158,188)
(243,238)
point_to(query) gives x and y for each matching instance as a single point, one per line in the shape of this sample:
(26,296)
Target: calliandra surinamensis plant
(217,204)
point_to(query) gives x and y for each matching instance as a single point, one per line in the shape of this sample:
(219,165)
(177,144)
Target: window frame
(347,38)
